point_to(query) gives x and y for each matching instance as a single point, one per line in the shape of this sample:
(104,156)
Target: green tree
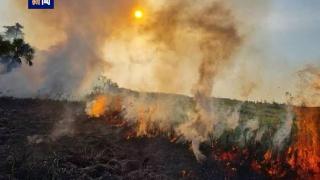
(14,32)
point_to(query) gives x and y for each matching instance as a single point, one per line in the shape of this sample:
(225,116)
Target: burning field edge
(59,140)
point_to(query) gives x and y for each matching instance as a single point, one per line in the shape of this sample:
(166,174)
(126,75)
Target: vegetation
(13,49)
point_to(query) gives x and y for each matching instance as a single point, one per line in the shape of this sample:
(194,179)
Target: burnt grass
(91,149)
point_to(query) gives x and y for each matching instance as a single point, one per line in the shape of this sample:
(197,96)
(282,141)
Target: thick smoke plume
(179,41)
(175,45)
(69,67)
(216,35)
(207,29)
(73,64)
(218,40)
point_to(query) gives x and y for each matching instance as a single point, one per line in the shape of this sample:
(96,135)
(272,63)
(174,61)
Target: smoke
(248,130)
(168,50)
(164,111)
(65,126)
(218,40)
(161,52)
(260,134)
(179,43)
(308,90)
(284,130)
(165,51)
(71,65)
(216,36)
(153,114)
(307,95)
(247,85)
(7,64)
(170,115)
(210,30)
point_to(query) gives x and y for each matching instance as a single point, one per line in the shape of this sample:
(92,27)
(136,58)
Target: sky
(285,38)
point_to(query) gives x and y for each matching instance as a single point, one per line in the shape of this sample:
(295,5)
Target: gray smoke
(218,39)
(284,131)
(70,66)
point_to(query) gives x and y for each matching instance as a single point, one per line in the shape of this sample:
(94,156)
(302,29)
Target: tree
(14,50)
(21,50)
(14,32)
(5,46)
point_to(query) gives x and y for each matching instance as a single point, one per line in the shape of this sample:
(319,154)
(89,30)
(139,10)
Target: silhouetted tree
(13,49)
(14,32)
(21,50)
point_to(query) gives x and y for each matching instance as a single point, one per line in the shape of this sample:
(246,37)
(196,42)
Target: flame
(304,154)
(267,156)
(97,107)
(144,124)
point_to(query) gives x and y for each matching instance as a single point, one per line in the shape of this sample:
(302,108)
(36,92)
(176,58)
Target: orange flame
(304,154)
(144,124)
(267,156)
(97,107)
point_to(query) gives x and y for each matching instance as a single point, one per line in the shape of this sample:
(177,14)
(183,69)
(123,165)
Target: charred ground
(95,149)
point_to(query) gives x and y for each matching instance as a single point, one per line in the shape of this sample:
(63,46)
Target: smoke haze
(163,52)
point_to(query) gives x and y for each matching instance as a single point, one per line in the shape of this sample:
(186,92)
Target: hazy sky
(286,37)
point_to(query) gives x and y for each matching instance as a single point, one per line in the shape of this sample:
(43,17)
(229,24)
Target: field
(47,139)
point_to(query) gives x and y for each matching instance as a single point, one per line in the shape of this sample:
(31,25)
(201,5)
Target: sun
(138,14)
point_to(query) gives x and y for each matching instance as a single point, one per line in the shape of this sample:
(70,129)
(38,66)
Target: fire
(97,107)
(301,156)
(268,155)
(142,127)
(145,125)
(304,154)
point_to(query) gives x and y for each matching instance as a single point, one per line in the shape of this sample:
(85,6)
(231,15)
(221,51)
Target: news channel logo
(41,4)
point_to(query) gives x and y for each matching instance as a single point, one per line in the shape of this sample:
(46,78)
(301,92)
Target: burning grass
(258,140)
(304,153)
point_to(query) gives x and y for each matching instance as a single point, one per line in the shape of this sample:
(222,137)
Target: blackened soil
(45,139)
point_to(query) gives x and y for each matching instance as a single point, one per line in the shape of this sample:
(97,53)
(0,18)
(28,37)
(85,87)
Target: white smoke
(284,131)
(172,115)
(248,131)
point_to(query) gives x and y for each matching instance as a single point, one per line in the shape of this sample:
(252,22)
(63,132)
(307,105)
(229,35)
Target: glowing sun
(138,14)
